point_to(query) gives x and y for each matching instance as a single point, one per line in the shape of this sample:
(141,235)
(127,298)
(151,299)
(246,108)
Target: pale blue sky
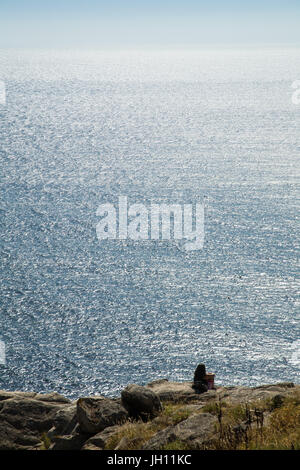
(149,23)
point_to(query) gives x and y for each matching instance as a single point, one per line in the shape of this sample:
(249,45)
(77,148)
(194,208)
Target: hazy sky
(139,23)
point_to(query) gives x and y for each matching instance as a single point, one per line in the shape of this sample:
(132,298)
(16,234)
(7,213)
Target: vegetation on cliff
(268,424)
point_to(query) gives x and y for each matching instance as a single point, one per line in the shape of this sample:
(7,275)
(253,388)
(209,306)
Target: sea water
(80,128)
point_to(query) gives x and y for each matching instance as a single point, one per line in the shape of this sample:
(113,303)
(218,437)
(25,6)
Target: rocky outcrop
(24,417)
(74,441)
(52,397)
(98,442)
(195,432)
(64,421)
(182,392)
(141,402)
(98,413)
(33,421)
(246,394)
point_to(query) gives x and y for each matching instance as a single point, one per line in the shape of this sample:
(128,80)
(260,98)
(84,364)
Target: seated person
(200,384)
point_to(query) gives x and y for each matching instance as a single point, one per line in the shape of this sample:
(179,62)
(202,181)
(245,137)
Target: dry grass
(253,426)
(139,432)
(176,445)
(262,425)
(45,442)
(136,434)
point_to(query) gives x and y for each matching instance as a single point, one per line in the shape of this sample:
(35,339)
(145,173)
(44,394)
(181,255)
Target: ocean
(84,316)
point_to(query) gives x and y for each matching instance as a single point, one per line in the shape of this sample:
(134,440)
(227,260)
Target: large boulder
(24,417)
(141,402)
(195,432)
(182,392)
(97,413)
(64,421)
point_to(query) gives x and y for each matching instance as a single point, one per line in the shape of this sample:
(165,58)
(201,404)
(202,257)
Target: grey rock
(239,394)
(64,421)
(196,431)
(276,387)
(97,413)
(12,438)
(4,395)
(157,382)
(182,392)
(52,397)
(71,442)
(141,401)
(23,419)
(98,442)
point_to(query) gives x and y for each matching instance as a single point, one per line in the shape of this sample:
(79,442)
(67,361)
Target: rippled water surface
(81,128)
